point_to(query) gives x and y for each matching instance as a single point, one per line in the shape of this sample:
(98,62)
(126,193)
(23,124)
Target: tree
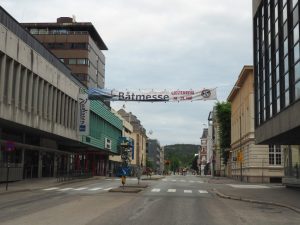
(175,164)
(224,118)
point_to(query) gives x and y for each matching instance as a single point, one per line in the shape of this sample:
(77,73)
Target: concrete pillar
(2,76)
(40,170)
(55,164)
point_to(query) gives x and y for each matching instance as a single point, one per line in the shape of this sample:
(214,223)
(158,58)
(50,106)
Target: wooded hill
(184,153)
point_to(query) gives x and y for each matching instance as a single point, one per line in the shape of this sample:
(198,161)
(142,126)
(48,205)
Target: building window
(72,61)
(274,155)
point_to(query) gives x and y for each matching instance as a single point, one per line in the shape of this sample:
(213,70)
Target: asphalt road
(176,200)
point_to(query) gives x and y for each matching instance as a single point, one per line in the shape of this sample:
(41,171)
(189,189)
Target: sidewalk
(265,193)
(39,183)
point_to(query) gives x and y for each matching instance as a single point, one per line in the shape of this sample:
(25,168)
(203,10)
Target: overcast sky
(162,44)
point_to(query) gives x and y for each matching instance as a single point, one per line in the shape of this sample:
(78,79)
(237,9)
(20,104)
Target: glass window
(295,16)
(286,46)
(277,58)
(284,14)
(274,155)
(286,63)
(271,110)
(81,61)
(278,104)
(286,81)
(285,30)
(296,33)
(277,89)
(296,52)
(297,90)
(276,12)
(297,71)
(287,98)
(72,61)
(276,27)
(270,96)
(277,73)
(294,3)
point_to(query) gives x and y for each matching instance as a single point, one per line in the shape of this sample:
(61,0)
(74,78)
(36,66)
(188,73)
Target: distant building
(250,162)
(203,153)
(155,155)
(140,137)
(76,44)
(276,50)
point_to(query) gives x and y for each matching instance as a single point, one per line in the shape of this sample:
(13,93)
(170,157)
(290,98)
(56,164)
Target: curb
(221,195)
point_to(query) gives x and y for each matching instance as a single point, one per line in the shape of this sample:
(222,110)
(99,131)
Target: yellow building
(250,162)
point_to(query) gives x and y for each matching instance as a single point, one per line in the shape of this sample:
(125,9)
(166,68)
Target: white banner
(152,96)
(84,115)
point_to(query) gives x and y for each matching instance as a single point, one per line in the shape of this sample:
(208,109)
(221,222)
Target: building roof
(71,26)
(243,74)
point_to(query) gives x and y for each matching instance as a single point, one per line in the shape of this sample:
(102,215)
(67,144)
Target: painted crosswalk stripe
(95,189)
(203,192)
(51,189)
(66,189)
(107,189)
(174,180)
(182,180)
(188,191)
(155,190)
(164,180)
(80,189)
(199,181)
(192,181)
(172,190)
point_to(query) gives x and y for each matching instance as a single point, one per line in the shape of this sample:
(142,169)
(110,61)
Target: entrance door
(47,164)
(31,164)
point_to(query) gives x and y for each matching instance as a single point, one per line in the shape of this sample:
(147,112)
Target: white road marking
(203,192)
(199,181)
(172,190)
(51,189)
(107,189)
(95,189)
(182,180)
(164,180)
(188,191)
(174,180)
(80,189)
(155,190)
(66,189)
(249,186)
(192,181)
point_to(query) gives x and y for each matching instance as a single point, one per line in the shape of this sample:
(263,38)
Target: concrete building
(39,113)
(155,155)
(140,137)
(250,162)
(277,79)
(202,160)
(219,166)
(77,44)
(116,160)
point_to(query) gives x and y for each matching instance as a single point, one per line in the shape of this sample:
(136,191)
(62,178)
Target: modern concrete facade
(39,112)
(277,77)
(250,162)
(77,44)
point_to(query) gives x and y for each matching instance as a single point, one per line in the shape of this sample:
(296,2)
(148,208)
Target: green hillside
(183,154)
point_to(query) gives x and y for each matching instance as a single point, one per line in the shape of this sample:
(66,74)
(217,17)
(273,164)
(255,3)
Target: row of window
(29,92)
(75,61)
(276,58)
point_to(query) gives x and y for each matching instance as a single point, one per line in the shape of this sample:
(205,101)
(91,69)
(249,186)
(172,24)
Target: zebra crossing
(93,189)
(158,190)
(183,181)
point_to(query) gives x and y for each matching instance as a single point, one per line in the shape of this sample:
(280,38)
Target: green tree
(224,118)
(175,164)
(195,163)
